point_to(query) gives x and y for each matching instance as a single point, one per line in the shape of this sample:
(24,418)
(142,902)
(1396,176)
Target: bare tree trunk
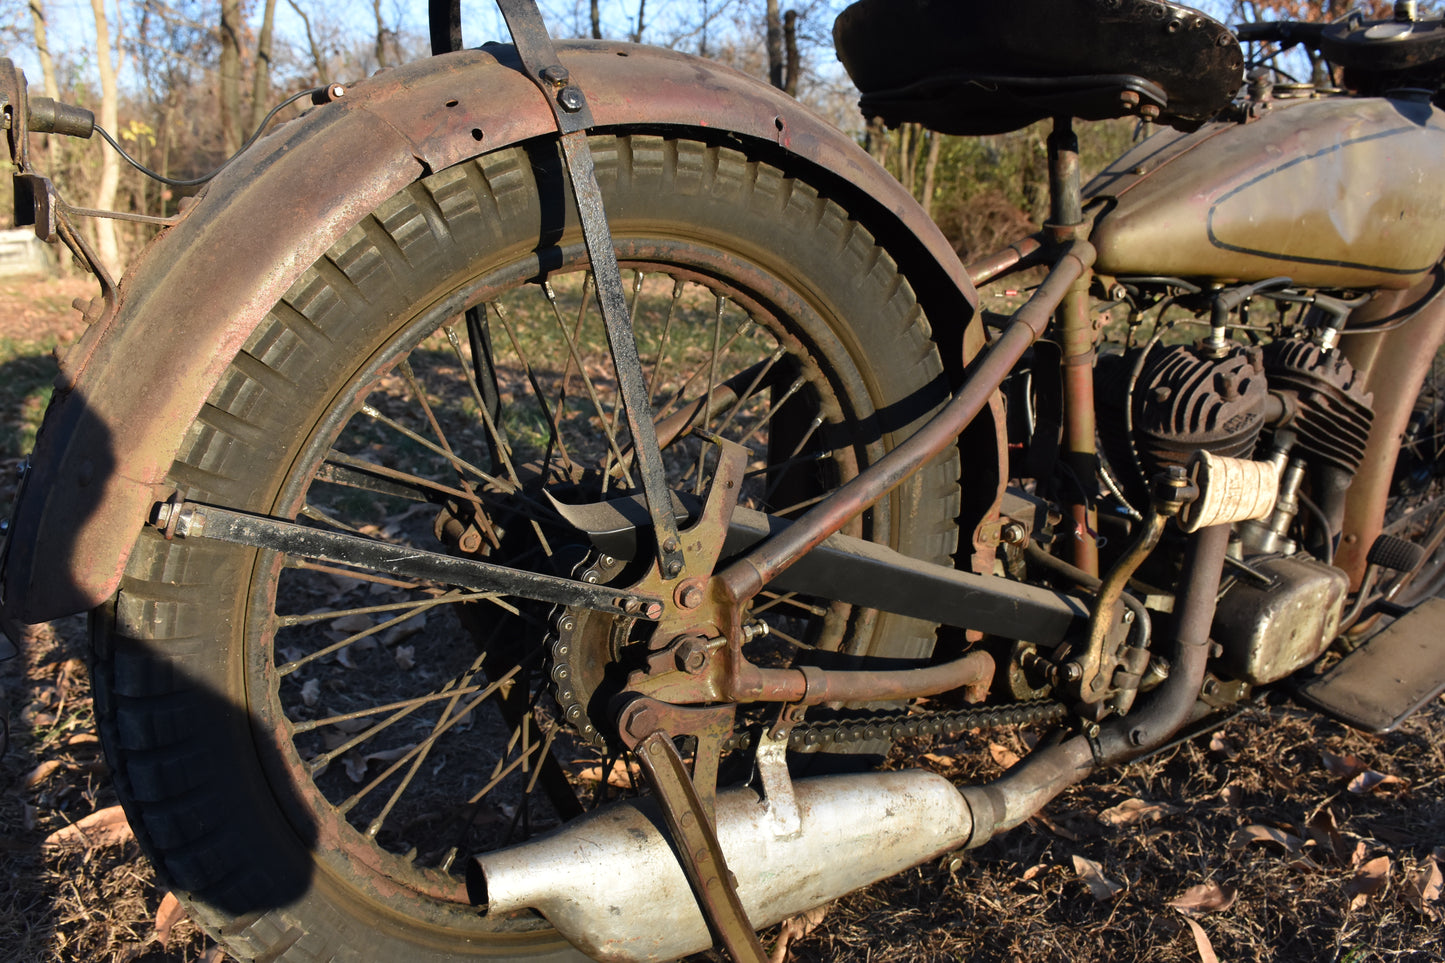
(230,75)
(641,20)
(47,69)
(775,45)
(380,35)
(790,44)
(317,58)
(107,246)
(930,168)
(905,156)
(261,84)
(42,49)
(596,20)
(876,140)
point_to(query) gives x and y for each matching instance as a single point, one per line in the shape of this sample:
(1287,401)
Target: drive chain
(820,735)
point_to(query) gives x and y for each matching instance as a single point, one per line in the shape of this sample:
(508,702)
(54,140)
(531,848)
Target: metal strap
(574,117)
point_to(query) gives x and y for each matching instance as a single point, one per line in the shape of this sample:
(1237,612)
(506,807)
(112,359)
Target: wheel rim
(401,783)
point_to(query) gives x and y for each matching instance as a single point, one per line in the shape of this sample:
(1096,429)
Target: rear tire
(216,664)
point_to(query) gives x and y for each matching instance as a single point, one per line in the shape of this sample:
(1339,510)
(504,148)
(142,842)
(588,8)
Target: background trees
(181,83)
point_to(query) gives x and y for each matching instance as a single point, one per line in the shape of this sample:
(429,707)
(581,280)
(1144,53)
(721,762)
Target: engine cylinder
(1187,399)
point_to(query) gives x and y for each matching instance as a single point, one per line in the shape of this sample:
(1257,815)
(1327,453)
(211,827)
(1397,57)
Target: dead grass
(1018,899)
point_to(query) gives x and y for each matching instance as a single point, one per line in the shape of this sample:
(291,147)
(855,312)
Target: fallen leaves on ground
(1424,891)
(1292,844)
(107,827)
(1102,887)
(1201,942)
(793,928)
(168,915)
(1003,755)
(1208,897)
(1368,881)
(1132,811)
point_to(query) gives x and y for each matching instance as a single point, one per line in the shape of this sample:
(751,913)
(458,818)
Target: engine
(1292,402)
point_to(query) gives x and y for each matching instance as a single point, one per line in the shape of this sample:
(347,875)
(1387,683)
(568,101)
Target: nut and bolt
(556,75)
(1013,533)
(674,568)
(691,655)
(653,611)
(689,594)
(571,99)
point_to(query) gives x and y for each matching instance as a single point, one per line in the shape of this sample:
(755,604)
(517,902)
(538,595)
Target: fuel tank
(1338,192)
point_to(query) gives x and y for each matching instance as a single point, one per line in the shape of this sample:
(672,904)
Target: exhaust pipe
(612,885)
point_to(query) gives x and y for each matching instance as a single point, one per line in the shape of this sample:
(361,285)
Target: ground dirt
(1277,837)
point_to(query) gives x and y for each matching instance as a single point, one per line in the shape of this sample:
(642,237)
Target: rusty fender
(200,289)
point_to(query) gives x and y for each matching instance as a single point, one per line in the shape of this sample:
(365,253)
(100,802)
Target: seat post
(1077,339)
(1066,209)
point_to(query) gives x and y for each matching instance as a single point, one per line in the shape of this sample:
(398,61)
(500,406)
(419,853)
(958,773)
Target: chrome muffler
(611,883)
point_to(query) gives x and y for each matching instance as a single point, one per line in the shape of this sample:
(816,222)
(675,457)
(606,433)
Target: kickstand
(692,824)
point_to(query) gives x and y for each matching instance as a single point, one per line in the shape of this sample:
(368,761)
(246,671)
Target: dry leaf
(389,755)
(1132,811)
(107,827)
(311,692)
(1368,880)
(1358,856)
(82,740)
(1424,890)
(404,630)
(1370,780)
(1201,942)
(1326,833)
(169,914)
(943,762)
(41,773)
(350,726)
(406,657)
(1004,756)
(343,656)
(1232,795)
(1345,767)
(1204,898)
(1033,871)
(351,624)
(1246,835)
(1102,887)
(795,928)
(617,776)
(355,767)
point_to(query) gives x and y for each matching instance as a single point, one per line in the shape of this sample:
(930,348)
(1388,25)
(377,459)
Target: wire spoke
(430,740)
(575,358)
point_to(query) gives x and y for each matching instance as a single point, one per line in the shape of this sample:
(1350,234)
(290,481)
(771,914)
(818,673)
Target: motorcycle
(522,499)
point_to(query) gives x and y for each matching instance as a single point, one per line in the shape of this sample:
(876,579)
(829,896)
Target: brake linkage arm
(574,117)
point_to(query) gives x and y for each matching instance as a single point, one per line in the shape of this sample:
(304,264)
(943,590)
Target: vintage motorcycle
(522,499)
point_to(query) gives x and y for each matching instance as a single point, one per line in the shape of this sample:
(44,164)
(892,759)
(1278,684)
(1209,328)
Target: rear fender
(199,290)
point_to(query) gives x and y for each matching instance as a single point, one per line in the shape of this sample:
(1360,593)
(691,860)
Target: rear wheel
(310,753)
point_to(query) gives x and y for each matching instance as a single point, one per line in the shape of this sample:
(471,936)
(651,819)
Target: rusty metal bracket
(647,726)
(573,115)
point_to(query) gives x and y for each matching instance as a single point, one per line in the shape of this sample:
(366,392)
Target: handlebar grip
(49,116)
